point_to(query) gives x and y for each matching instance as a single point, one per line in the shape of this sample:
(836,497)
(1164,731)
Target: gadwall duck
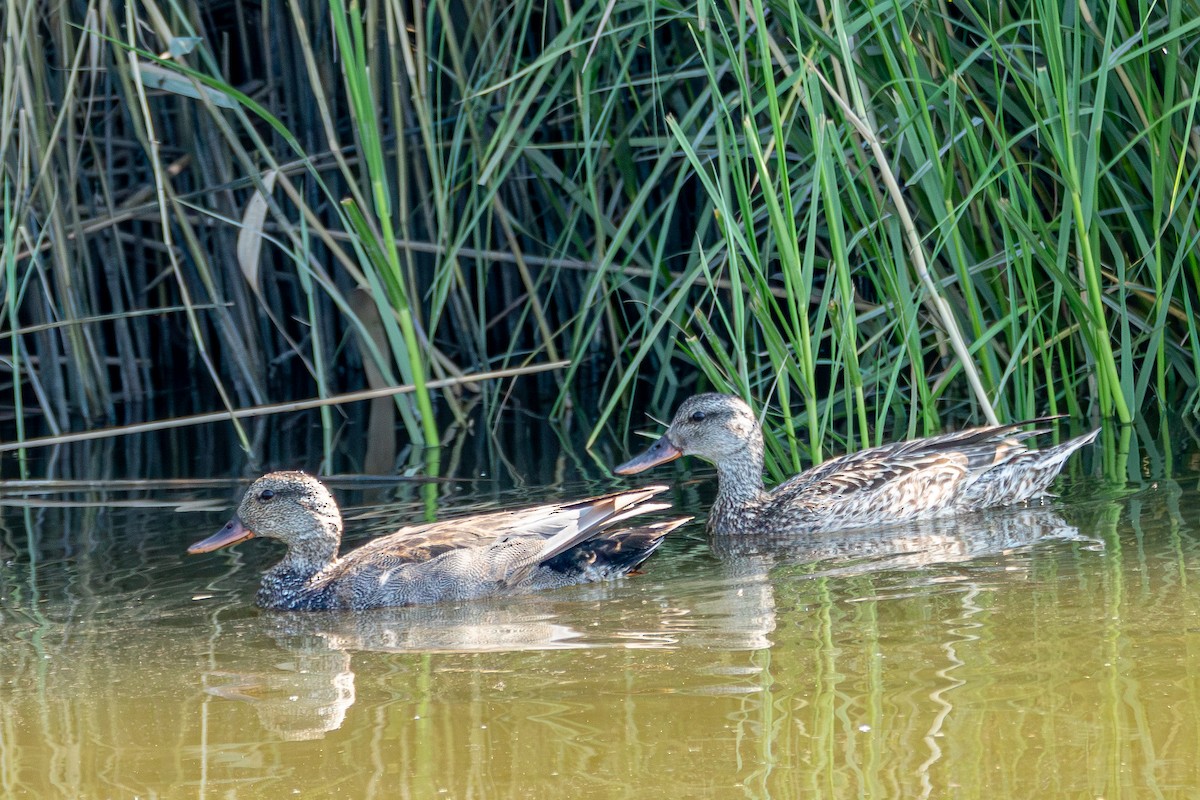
(504,552)
(963,471)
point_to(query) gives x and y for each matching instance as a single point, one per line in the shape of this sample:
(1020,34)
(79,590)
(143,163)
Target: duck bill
(233,532)
(660,452)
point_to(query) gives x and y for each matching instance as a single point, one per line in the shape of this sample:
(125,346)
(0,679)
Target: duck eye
(266,494)
(697,416)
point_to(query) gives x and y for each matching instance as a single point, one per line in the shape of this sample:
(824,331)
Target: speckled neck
(739,489)
(289,584)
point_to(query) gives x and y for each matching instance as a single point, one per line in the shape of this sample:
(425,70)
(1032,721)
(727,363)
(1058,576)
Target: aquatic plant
(873,215)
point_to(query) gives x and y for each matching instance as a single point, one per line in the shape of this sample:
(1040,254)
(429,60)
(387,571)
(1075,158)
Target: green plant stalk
(350,35)
(1084,239)
(1164,201)
(9,249)
(321,373)
(399,320)
(787,242)
(845,306)
(783,219)
(1111,398)
(1061,98)
(736,258)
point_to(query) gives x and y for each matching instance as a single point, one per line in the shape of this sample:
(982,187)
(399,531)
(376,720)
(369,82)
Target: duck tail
(1027,476)
(613,553)
(1060,452)
(1049,462)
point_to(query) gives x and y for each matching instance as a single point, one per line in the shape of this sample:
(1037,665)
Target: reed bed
(867,218)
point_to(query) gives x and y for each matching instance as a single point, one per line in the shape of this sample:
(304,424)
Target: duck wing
(419,543)
(907,479)
(488,553)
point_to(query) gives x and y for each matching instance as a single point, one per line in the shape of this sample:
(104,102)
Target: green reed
(866,218)
(1054,235)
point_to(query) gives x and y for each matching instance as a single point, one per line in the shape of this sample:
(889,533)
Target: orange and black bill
(233,532)
(660,452)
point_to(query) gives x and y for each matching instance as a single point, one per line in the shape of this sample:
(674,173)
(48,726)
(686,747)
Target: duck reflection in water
(717,607)
(308,693)
(906,546)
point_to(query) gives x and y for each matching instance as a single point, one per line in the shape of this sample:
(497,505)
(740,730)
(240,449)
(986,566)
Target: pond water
(1049,651)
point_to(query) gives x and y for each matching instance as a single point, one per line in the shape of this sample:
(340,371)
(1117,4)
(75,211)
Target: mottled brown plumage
(955,472)
(487,554)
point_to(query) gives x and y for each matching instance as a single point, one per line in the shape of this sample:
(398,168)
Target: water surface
(1042,652)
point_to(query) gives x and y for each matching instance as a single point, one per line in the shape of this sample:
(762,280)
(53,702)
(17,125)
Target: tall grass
(1047,164)
(866,217)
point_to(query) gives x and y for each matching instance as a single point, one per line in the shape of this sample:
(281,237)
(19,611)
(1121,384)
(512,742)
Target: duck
(963,471)
(490,554)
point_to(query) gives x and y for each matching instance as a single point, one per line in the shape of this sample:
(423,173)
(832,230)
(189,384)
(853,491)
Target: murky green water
(1050,652)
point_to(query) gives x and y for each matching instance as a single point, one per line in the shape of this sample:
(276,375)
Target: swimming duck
(956,472)
(504,552)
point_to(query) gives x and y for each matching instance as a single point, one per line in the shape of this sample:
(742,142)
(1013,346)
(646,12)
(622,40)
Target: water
(1050,652)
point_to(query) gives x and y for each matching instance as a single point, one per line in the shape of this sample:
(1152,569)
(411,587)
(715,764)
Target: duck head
(292,507)
(715,427)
